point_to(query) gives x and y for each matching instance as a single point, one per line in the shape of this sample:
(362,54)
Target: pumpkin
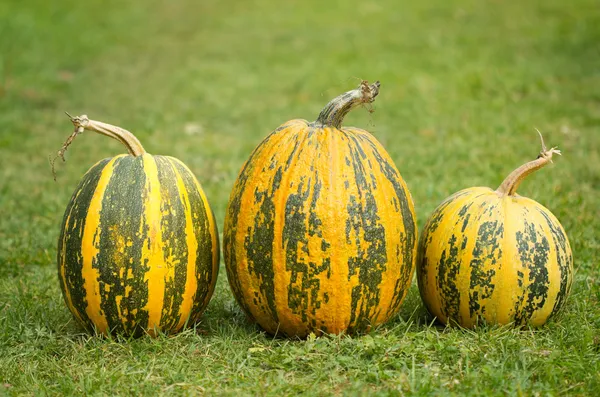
(138,251)
(494,256)
(320,233)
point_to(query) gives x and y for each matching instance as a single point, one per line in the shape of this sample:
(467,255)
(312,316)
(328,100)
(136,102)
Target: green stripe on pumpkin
(175,249)
(69,248)
(205,238)
(123,231)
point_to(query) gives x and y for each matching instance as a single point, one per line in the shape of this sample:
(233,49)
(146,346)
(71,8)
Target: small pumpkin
(138,251)
(320,232)
(494,255)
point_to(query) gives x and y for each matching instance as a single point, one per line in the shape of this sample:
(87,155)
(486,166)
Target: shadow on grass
(44,315)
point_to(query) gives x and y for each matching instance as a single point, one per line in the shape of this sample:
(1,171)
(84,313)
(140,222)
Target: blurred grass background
(464,84)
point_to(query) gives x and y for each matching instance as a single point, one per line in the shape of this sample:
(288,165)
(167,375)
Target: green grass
(463,86)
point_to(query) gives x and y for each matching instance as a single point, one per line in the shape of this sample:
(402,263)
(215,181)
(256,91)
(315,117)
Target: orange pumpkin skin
(320,232)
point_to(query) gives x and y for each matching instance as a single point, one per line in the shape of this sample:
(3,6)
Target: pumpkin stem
(81,123)
(512,182)
(334,112)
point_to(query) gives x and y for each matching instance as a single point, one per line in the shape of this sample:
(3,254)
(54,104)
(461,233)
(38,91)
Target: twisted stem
(334,112)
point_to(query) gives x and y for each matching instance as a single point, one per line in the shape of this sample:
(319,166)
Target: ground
(464,85)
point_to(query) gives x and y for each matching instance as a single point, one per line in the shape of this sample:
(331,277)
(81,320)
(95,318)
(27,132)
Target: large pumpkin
(320,229)
(496,256)
(138,251)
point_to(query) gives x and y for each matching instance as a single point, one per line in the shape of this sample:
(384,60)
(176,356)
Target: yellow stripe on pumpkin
(211,229)
(152,250)
(191,283)
(333,178)
(90,250)
(330,286)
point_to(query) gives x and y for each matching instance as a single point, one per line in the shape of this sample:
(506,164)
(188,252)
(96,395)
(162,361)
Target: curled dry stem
(81,123)
(545,152)
(79,128)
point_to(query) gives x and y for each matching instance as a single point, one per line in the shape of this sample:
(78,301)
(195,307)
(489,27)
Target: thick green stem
(511,183)
(334,112)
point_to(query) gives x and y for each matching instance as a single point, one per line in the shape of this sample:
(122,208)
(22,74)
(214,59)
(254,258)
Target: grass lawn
(463,87)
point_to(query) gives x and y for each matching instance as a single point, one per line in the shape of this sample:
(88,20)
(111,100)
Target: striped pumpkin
(495,256)
(320,229)
(138,251)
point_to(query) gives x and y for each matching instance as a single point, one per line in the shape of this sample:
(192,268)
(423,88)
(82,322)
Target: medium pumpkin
(320,229)
(138,251)
(496,256)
